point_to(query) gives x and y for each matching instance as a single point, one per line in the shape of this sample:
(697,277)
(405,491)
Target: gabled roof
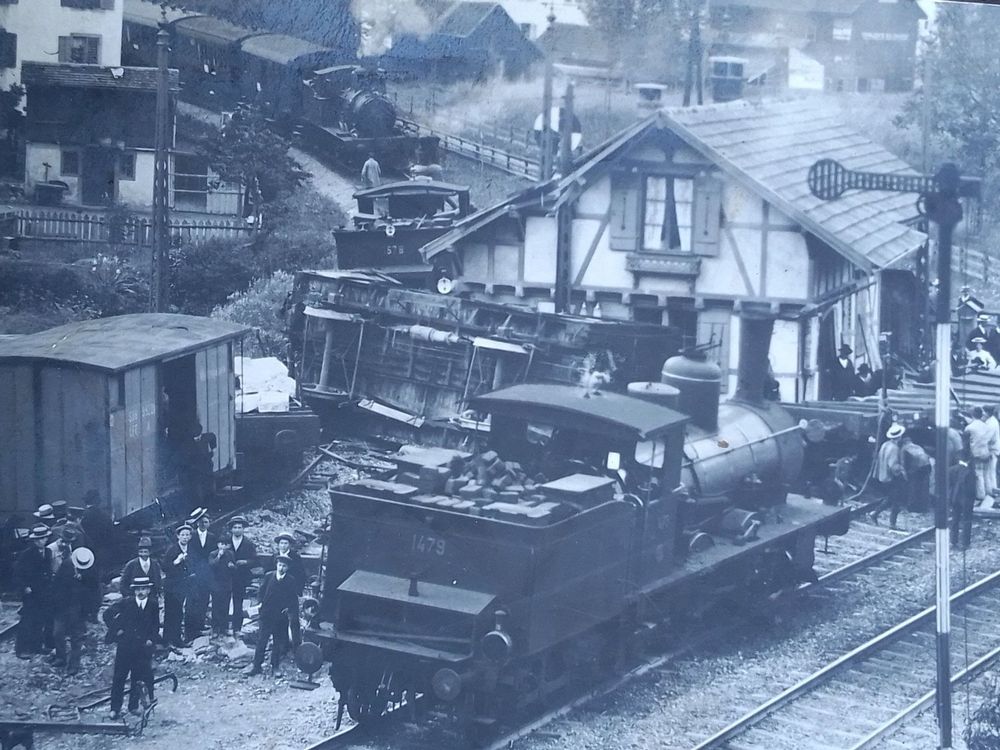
(769,147)
(463,18)
(121,342)
(75,75)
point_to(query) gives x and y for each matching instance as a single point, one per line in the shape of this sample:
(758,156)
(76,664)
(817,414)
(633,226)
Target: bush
(262,308)
(301,233)
(983,731)
(204,275)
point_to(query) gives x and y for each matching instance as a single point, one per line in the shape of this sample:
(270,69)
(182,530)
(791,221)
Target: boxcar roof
(215,31)
(282,48)
(626,415)
(121,342)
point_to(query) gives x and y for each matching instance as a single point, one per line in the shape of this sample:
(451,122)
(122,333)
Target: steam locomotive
(339,108)
(487,579)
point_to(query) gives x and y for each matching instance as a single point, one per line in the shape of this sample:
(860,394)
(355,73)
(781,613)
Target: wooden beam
(601,229)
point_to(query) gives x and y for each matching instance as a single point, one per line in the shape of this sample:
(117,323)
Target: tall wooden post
(159,291)
(564,214)
(546,136)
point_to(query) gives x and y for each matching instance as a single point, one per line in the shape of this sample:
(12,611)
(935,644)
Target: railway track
(876,545)
(866,694)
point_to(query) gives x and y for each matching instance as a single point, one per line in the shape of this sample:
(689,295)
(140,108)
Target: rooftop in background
(463,18)
(148,14)
(75,75)
(121,342)
(214,30)
(770,145)
(281,48)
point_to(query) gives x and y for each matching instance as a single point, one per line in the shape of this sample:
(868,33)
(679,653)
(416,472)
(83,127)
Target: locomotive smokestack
(755,345)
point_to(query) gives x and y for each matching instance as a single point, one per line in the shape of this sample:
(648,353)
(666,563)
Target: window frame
(673,223)
(126,157)
(72,39)
(75,154)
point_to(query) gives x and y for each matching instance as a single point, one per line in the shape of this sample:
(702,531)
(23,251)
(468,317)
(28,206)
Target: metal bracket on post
(939,202)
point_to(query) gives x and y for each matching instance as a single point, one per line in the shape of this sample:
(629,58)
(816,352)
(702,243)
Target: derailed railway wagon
(89,405)
(488,579)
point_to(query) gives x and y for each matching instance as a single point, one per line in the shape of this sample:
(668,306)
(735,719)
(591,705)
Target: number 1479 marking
(428,544)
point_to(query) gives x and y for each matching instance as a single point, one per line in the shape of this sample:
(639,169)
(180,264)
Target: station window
(80,48)
(667,214)
(69,163)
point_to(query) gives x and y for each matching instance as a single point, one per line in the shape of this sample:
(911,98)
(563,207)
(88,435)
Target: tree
(983,731)
(11,129)
(262,307)
(249,152)
(647,36)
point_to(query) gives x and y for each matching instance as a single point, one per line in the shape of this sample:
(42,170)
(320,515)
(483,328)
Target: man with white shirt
(177,586)
(203,544)
(279,602)
(135,628)
(245,558)
(143,566)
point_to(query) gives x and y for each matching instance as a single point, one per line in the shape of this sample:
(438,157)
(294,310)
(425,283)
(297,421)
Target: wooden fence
(515,164)
(85,226)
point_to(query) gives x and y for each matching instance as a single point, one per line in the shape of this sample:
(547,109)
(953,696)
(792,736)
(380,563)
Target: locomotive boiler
(486,579)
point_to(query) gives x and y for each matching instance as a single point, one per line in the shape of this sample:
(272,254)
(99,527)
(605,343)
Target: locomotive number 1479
(427,545)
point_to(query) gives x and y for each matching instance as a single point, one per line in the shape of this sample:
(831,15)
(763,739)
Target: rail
(519,166)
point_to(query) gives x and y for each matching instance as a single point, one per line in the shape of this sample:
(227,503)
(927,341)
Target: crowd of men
(845,381)
(58,577)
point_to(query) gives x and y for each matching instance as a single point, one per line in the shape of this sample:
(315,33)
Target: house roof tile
(73,75)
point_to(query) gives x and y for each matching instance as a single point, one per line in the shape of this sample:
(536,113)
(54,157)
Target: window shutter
(8,49)
(625,194)
(93,50)
(65,49)
(706,215)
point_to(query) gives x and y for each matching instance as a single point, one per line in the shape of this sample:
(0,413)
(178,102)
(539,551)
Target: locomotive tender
(487,580)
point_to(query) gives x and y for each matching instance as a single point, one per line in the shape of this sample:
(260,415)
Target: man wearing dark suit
(143,566)
(203,544)
(69,599)
(33,573)
(136,630)
(279,602)
(842,377)
(176,586)
(982,330)
(245,557)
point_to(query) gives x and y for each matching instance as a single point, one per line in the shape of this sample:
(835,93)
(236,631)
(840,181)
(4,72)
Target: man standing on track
(202,545)
(135,629)
(177,586)
(889,473)
(980,443)
(279,603)
(245,558)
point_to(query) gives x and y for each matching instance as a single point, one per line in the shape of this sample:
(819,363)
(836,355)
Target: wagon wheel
(360,706)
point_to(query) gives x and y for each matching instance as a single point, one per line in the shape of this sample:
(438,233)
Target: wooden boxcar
(86,406)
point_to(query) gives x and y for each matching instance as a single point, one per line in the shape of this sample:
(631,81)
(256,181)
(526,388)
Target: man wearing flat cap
(33,576)
(842,377)
(279,604)
(245,558)
(135,631)
(203,544)
(177,586)
(143,566)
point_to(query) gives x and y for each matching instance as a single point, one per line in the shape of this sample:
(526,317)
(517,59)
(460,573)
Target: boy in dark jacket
(136,629)
(222,564)
(279,602)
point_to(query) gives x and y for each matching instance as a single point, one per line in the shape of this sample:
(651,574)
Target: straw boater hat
(45,513)
(237,520)
(82,558)
(983,318)
(197,514)
(183,526)
(141,582)
(978,340)
(285,535)
(896,431)
(39,531)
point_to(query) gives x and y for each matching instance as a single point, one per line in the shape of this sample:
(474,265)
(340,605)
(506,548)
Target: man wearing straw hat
(69,599)
(33,573)
(979,358)
(980,449)
(981,331)
(135,631)
(890,475)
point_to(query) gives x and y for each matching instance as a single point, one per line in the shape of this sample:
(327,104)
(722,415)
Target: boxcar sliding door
(216,392)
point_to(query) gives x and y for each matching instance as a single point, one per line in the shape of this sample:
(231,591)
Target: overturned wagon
(105,405)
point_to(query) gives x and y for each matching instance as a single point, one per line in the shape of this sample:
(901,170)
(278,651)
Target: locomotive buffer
(939,202)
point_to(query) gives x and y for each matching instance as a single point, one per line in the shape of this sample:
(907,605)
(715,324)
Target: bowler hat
(895,431)
(39,531)
(237,520)
(44,512)
(285,535)
(82,558)
(140,582)
(69,534)
(845,349)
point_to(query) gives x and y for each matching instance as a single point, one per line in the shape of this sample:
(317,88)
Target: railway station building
(696,216)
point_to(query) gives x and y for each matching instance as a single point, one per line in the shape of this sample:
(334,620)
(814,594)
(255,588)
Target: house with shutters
(64,31)
(695,216)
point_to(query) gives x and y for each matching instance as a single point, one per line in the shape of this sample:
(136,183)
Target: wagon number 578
(428,544)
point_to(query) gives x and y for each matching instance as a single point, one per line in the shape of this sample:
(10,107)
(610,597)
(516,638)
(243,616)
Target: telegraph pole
(546,136)
(564,213)
(159,290)
(939,201)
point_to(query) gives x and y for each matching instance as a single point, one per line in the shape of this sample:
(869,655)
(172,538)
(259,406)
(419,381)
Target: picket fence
(81,226)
